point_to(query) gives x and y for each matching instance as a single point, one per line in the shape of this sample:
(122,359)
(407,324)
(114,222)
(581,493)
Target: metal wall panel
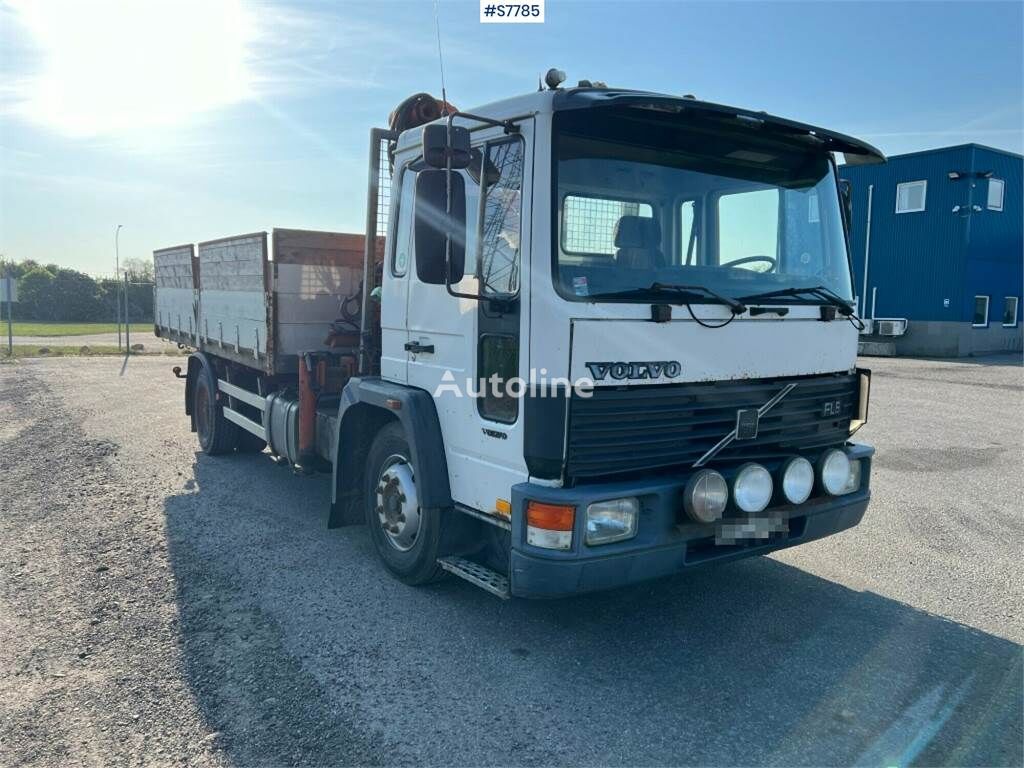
(929,265)
(916,259)
(994,253)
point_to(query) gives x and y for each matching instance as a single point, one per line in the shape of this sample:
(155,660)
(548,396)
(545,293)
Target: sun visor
(854,151)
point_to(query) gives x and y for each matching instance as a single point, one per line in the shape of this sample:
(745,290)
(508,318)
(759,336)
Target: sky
(188,120)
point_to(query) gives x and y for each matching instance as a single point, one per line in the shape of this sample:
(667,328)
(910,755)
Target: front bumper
(666,543)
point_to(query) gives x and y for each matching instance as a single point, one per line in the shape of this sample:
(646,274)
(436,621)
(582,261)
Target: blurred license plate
(750,529)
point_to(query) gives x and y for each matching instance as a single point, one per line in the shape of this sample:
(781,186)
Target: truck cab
(633,315)
(590,337)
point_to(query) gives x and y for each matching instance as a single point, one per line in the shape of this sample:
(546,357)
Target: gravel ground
(162,607)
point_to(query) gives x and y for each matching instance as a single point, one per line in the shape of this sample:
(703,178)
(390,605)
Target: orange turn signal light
(550,517)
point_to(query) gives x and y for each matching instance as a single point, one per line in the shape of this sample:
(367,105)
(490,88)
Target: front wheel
(406,536)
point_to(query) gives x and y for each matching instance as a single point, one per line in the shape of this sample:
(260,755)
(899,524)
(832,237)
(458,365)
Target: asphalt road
(158,606)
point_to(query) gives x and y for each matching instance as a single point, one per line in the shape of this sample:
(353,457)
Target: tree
(138,270)
(34,290)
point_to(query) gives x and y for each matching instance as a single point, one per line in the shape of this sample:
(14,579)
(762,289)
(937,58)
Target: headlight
(752,488)
(835,472)
(797,480)
(612,520)
(853,482)
(705,496)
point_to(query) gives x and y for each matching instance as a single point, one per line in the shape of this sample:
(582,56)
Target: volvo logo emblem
(649,369)
(747,420)
(746,423)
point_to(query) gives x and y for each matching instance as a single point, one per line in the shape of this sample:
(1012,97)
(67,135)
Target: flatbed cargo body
(258,306)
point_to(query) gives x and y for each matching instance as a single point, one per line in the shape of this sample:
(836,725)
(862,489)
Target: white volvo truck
(655,290)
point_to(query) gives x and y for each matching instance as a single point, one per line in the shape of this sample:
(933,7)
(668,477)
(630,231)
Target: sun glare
(116,67)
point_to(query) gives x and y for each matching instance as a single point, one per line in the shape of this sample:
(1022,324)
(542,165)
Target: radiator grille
(630,429)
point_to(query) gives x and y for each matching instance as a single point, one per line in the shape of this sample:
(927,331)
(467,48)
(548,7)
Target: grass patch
(42,350)
(71,329)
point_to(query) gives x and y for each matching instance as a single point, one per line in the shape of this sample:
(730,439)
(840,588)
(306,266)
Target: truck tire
(216,434)
(407,537)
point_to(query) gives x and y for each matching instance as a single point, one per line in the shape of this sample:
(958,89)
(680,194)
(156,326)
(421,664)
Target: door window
(402,254)
(502,218)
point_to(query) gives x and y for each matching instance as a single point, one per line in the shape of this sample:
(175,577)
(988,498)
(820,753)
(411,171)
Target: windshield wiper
(680,294)
(737,307)
(844,307)
(655,292)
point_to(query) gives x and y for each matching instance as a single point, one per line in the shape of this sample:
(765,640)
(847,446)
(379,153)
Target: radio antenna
(440,58)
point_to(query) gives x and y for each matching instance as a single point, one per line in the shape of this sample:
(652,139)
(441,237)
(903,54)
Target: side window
(588,223)
(980,312)
(402,252)
(996,187)
(1010,311)
(502,218)
(748,226)
(499,357)
(689,233)
(910,196)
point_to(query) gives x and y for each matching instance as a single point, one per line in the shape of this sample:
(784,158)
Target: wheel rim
(397,505)
(203,413)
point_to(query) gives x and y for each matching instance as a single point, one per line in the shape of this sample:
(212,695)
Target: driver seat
(638,243)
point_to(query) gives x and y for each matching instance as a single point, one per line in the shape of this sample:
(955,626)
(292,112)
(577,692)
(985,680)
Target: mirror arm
(508,125)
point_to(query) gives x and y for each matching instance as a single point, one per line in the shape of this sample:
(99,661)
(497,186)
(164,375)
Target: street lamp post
(117,283)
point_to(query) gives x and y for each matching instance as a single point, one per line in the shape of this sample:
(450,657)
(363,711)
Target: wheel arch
(366,405)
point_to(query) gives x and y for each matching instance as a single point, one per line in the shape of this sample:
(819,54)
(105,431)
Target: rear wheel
(216,434)
(406,536)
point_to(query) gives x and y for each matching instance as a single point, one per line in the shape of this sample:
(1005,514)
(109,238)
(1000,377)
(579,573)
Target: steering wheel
(750,259)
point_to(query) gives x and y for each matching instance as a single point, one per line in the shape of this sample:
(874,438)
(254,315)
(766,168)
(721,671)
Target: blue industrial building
(938,250)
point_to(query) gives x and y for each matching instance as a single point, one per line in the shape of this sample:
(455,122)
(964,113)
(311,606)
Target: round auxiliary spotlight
(554,78)
(797,480)
(752,488)
(835,471)
(705,496)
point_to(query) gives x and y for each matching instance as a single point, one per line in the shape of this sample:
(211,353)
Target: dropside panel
(177,301)
(235,312)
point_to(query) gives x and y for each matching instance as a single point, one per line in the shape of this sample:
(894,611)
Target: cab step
(477,574)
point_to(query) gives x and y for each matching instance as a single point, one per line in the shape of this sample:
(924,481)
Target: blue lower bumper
(666,543)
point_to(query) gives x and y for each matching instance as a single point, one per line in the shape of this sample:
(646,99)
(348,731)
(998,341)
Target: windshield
(649,198)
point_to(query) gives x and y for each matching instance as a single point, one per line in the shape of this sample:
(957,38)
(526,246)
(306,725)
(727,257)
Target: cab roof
(856,152)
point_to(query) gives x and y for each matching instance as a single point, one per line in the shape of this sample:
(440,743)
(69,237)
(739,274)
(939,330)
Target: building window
(1010,312)
(996,187)
(910,196)
(980,312)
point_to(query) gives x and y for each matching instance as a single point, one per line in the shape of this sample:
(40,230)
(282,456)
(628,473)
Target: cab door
(395,288)
(454,341)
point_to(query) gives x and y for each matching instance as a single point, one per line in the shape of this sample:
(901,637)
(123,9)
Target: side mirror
(442,142)
(437,231)
(846,191)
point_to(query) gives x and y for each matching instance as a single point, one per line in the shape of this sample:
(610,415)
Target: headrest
(637,232)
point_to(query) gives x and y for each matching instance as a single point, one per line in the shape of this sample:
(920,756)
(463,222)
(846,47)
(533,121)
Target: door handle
(415,347)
